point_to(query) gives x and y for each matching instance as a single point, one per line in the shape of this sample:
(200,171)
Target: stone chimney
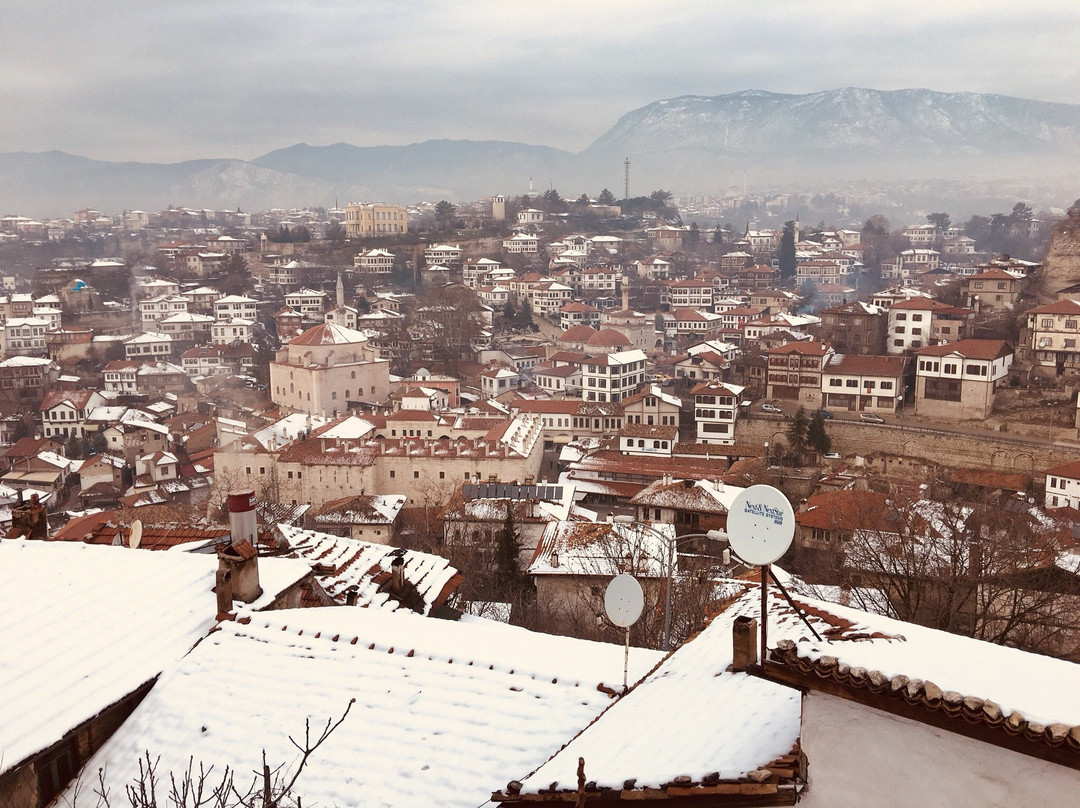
(29,519)
(744,642)
(397,575)
(241,562)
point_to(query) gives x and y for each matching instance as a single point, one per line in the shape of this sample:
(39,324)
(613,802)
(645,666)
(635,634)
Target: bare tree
(984,571)
(203,786)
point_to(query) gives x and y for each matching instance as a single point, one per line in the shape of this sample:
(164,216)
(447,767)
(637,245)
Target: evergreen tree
(507,551)
(787,250)
(796,431)
(606,197)
(816,436)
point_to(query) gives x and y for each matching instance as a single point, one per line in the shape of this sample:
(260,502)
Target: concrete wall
(858,756)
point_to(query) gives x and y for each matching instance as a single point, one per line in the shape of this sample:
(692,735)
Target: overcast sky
(168,81)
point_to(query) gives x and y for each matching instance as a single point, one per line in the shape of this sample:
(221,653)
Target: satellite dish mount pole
(764,611)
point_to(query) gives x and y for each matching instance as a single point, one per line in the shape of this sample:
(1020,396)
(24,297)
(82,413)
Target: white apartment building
(186,326)
(374,262)
(612,377)
(309,302)
(522,244)
(1053,332)
(226,332)
(148,347)
(716,409)
(690,294)
(920,321)
(234,307)
(1063,486)
(25,336)
(154,309)
(448,255)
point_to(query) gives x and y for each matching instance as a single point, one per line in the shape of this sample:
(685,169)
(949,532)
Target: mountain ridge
(688,142)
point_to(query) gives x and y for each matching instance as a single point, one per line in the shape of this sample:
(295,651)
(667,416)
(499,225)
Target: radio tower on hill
(626,179)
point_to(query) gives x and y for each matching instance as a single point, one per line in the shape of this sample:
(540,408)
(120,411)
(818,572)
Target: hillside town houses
(465,417)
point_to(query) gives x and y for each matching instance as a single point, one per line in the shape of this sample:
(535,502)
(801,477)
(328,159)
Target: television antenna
(624,600)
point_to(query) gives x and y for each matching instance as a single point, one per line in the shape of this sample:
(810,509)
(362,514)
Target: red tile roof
(985,349)
(1060,307)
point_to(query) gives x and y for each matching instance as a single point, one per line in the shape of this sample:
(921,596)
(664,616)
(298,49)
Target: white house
(716,409)
(613,376)
(233,307)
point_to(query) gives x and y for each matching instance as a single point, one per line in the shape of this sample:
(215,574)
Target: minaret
(340,292)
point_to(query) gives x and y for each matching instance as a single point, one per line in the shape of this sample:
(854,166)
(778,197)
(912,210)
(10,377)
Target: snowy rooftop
(690,718)
(341,563)
(442,710)
(84,625)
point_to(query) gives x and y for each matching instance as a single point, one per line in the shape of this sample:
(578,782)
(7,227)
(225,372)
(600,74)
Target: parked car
(831,455)
(871,417)
(828,416)
(771,408)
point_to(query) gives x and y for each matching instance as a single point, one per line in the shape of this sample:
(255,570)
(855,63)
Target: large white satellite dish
(135,536)
(624,600)
(760,525)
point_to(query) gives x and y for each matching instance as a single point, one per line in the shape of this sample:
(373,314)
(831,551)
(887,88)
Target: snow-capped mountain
(847,121)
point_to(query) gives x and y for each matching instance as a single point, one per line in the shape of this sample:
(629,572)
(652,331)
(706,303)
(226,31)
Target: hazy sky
(167,81)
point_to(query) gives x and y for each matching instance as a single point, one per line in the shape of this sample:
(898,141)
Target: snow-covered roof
(601,548)
(286,429)
(341,563)
(689,718)
(443,711)
(116,618)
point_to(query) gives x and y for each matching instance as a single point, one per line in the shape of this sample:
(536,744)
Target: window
(916,318)
(1070,324)
(392,474)
(898,343)
(950,367)
(851,383)
(901,316)
(416,475)
(442,475)
(886,385)
(1046,322)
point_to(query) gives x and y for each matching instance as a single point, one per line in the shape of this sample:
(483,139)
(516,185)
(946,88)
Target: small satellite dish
(135,536)
(624,600)
(760,525)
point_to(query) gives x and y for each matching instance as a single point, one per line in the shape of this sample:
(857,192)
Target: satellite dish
(624,600)
(760,525)
(135,536)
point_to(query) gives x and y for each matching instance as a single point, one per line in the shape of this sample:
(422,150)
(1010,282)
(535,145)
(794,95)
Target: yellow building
(375,219)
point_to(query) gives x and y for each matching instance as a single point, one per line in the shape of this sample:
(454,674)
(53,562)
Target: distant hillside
(55,184)
(848,121)
(847,133)
(691,143)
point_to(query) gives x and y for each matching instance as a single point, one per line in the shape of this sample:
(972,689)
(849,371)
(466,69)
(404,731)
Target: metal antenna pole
(626,661)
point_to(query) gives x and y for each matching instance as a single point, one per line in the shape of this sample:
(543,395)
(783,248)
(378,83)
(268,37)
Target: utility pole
(626,179)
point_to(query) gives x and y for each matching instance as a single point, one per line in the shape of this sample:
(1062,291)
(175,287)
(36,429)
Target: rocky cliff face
(1061,267)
